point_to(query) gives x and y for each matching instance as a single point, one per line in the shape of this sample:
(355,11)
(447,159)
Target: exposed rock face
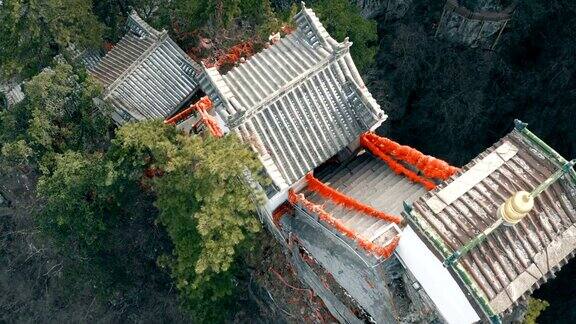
(477,23)
(390,9)
(482,5)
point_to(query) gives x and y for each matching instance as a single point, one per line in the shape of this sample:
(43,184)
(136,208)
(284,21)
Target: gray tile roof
(298,102)
(122,56)
(369,180)
(89,57)
(514,260)
(13,92)
(146,75)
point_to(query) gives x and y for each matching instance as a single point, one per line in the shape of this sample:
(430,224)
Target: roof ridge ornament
(515,208)
(347,41)
(342,48)
(311,26)
(558,159)
(137,25)
(519,125)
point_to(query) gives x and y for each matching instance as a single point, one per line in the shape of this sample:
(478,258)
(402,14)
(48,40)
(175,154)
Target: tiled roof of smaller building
(146,75)
(298,102)
(14,94)
(513,260)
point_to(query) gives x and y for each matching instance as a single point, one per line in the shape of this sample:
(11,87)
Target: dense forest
(97,220)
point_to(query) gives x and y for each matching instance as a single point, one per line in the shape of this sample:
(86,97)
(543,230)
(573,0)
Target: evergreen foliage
(80,206)
(535,307)
(214,17)
(113,14)
(342,19)
(32,32)
(57,114)
(103,225)
(203,202)
(205,205)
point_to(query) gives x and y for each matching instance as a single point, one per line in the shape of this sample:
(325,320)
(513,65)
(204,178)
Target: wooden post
(499,34)
(480,32)
(440,22)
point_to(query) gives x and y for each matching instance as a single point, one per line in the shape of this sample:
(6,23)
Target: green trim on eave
(414,218)
(554,156)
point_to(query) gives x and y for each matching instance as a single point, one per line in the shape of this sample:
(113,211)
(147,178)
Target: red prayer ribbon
(383,251)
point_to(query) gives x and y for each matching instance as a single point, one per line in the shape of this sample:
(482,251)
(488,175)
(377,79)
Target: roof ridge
(159,41)
(302,77)
(341,52)
(310,20)
(197,67)
(556,158)
(306,18)
(137,25)
(316,27)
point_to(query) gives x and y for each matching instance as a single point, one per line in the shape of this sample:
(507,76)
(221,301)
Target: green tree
(215,15)
(104,227)
(77,210)
(342,19)
(58,114)
(113,14)
(16,154)
(225,22)
(34,31)
(200,193)
(205,205)
(535,308)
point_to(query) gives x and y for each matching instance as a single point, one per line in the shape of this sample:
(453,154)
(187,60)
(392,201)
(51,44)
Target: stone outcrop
(475,23)
(388,9)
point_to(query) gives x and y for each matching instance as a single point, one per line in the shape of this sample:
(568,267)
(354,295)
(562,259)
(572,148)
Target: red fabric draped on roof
(383,251)
(392,153)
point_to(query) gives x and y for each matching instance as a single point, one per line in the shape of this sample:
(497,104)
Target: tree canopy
(77,211)
(215,16)
(34,31)
(104,228)
(342,19)
(204,203)
(199,190)
(58,114)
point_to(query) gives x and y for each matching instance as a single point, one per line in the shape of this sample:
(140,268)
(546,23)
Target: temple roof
(369,180)
(513,260)
(298,102)
(146,75)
